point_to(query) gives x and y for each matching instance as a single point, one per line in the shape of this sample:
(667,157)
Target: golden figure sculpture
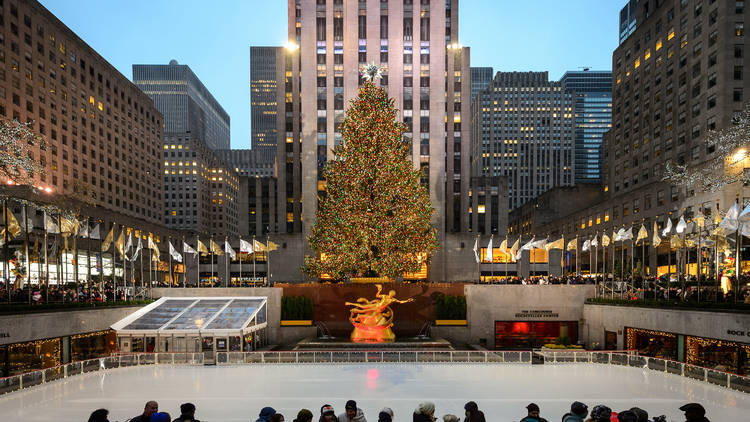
(373,319)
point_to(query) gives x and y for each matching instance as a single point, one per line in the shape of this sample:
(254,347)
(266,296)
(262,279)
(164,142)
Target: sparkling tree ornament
(374,217)
(372,72)
(17,163)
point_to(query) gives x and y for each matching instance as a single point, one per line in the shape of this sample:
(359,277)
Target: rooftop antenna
(585,68)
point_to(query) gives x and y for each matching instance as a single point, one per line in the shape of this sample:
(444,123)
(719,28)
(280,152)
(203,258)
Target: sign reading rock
(534,313)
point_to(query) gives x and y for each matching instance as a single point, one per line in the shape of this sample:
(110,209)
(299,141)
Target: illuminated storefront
(651,343)
(534,334)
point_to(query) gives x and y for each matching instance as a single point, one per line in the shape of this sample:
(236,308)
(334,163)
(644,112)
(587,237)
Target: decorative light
(291,46)
(739,155)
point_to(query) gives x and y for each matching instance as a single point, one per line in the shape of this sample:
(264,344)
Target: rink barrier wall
(622,358)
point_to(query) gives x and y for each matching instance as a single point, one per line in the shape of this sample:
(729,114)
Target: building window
(739,29)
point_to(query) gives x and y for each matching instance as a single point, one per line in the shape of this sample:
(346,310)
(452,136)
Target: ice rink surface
(237,393)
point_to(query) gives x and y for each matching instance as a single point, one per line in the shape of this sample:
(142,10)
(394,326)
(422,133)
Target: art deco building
(427,75)
(103,135)
(480,79)
(266,94)
(524,127)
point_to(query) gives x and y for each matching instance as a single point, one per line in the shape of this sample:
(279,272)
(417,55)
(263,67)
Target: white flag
(731,220)
(187,249)
(488,253)
(245,246)
(681,225)
(129,245)
(620,235)
(476,249)
(628,234)
(83,231)
(595,241)
(138,249)
(228,249)
(173,252)
(95,234)
(50,225)
(586,245)
(526,247)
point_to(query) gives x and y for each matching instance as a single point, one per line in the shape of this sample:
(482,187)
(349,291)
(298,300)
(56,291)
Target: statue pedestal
(372,334)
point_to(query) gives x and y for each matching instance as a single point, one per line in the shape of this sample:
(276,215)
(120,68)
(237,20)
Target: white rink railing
(724,379)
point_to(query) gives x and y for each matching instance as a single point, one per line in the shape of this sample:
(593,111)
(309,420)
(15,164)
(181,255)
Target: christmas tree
(375,217)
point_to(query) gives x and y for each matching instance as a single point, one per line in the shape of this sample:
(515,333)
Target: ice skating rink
(237,393)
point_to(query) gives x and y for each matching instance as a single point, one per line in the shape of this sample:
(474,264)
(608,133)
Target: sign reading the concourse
(535,313)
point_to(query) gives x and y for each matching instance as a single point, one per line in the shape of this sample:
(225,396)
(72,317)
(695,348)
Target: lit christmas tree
(375,217)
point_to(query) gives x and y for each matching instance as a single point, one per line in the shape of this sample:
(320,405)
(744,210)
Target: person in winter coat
(473,414)
(149,409)
(451,418)
(600,413)
(694,412)
(277,417)
(385,415)
(265,414)
(578,411)
(533,414)
(327,414)
(187,413)
(425,412)
(627,416)
(641,414)
(353,413)
(160,417)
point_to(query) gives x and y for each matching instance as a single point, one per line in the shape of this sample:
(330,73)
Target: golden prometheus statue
(373,319)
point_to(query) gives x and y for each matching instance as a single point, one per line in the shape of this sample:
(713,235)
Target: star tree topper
(372,72)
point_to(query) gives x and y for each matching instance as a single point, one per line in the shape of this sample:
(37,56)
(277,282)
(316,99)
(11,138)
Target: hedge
(296,308)
(450,307)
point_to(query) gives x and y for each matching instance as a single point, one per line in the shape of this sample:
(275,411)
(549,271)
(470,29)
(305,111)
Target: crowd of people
(425,412)
(38,295)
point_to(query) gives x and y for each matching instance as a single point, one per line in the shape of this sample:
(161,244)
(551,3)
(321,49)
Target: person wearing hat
(327,414)
(473,414)
(353,413)
(160,417)
(600,413)
(627,416)
(187,413)
(304,415)
(265,414)
(533,415)
(425,412)
(450,418)
(385,415)
(578,411)
(694,412)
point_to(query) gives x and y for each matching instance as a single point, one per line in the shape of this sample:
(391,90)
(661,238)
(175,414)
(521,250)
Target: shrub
(296,308)
(450,307)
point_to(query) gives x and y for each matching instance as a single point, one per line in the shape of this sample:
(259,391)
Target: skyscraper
(593,115)
(524,126)
(480,79)
(627,18)
(185,102)
(266,93)
(417,42)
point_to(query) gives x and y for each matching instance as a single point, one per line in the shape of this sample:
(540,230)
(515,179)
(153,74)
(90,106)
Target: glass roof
(197,314)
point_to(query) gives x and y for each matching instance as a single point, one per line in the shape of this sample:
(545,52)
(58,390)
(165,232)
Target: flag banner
(228,249)
(700,219)
(137,250)
(628,235)
(676,242)
(272,246)
(129,245)
(620,234)
(120,243)
(557,244)
(595,241)
(202,249)
(174,254)
(572,245)
(154,250)
(49,224)
(516,245)
(258,246)
(667,228)
(28,221)
(245,246)
(69,226)
(476,249)
(108,240)
(539,244)
(730,221)
(642,234)
(95,234)
(215,248)
(586,245)
(187,249)
(504,245)
(488,253)
(13,227)
(526,247)
(83,231)
(656,240)
(681,225)
(605,240)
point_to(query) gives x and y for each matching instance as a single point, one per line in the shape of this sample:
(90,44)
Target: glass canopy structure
(195,324)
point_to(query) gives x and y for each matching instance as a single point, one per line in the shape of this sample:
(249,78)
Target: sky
(214,38)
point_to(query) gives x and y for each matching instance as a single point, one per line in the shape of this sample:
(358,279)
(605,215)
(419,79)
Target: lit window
(671,35)
(658,45)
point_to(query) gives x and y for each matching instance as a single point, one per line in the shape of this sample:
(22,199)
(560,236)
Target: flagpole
(632,262)
(492,260)
(479,268)
(140,238)
(75,260)
(211,246)
(6,263)
(241,261)
(226,262)
(738,254)
(198,257)
(88,257)
(687,262)
(184,264)
(699,257)
(268,260)
(548,265)
(596,263)
(578,266)
(28,257)
(614,253)
(254,253)
(46,261)
(505,255)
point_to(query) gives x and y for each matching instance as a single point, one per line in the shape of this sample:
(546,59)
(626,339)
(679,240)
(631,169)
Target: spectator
(277,417)
(578,411)
(304,415)
(385,415)
(473,414)
(187,413)
(694,412)
(353,413)
(425,412)
(533,414)
(327,414)
(600,413)
(148,410)
(627,416)
(451,418)
(99,415)
(265,414)
(641,414)
(160,417)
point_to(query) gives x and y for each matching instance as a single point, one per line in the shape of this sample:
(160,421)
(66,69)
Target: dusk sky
(214,41)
